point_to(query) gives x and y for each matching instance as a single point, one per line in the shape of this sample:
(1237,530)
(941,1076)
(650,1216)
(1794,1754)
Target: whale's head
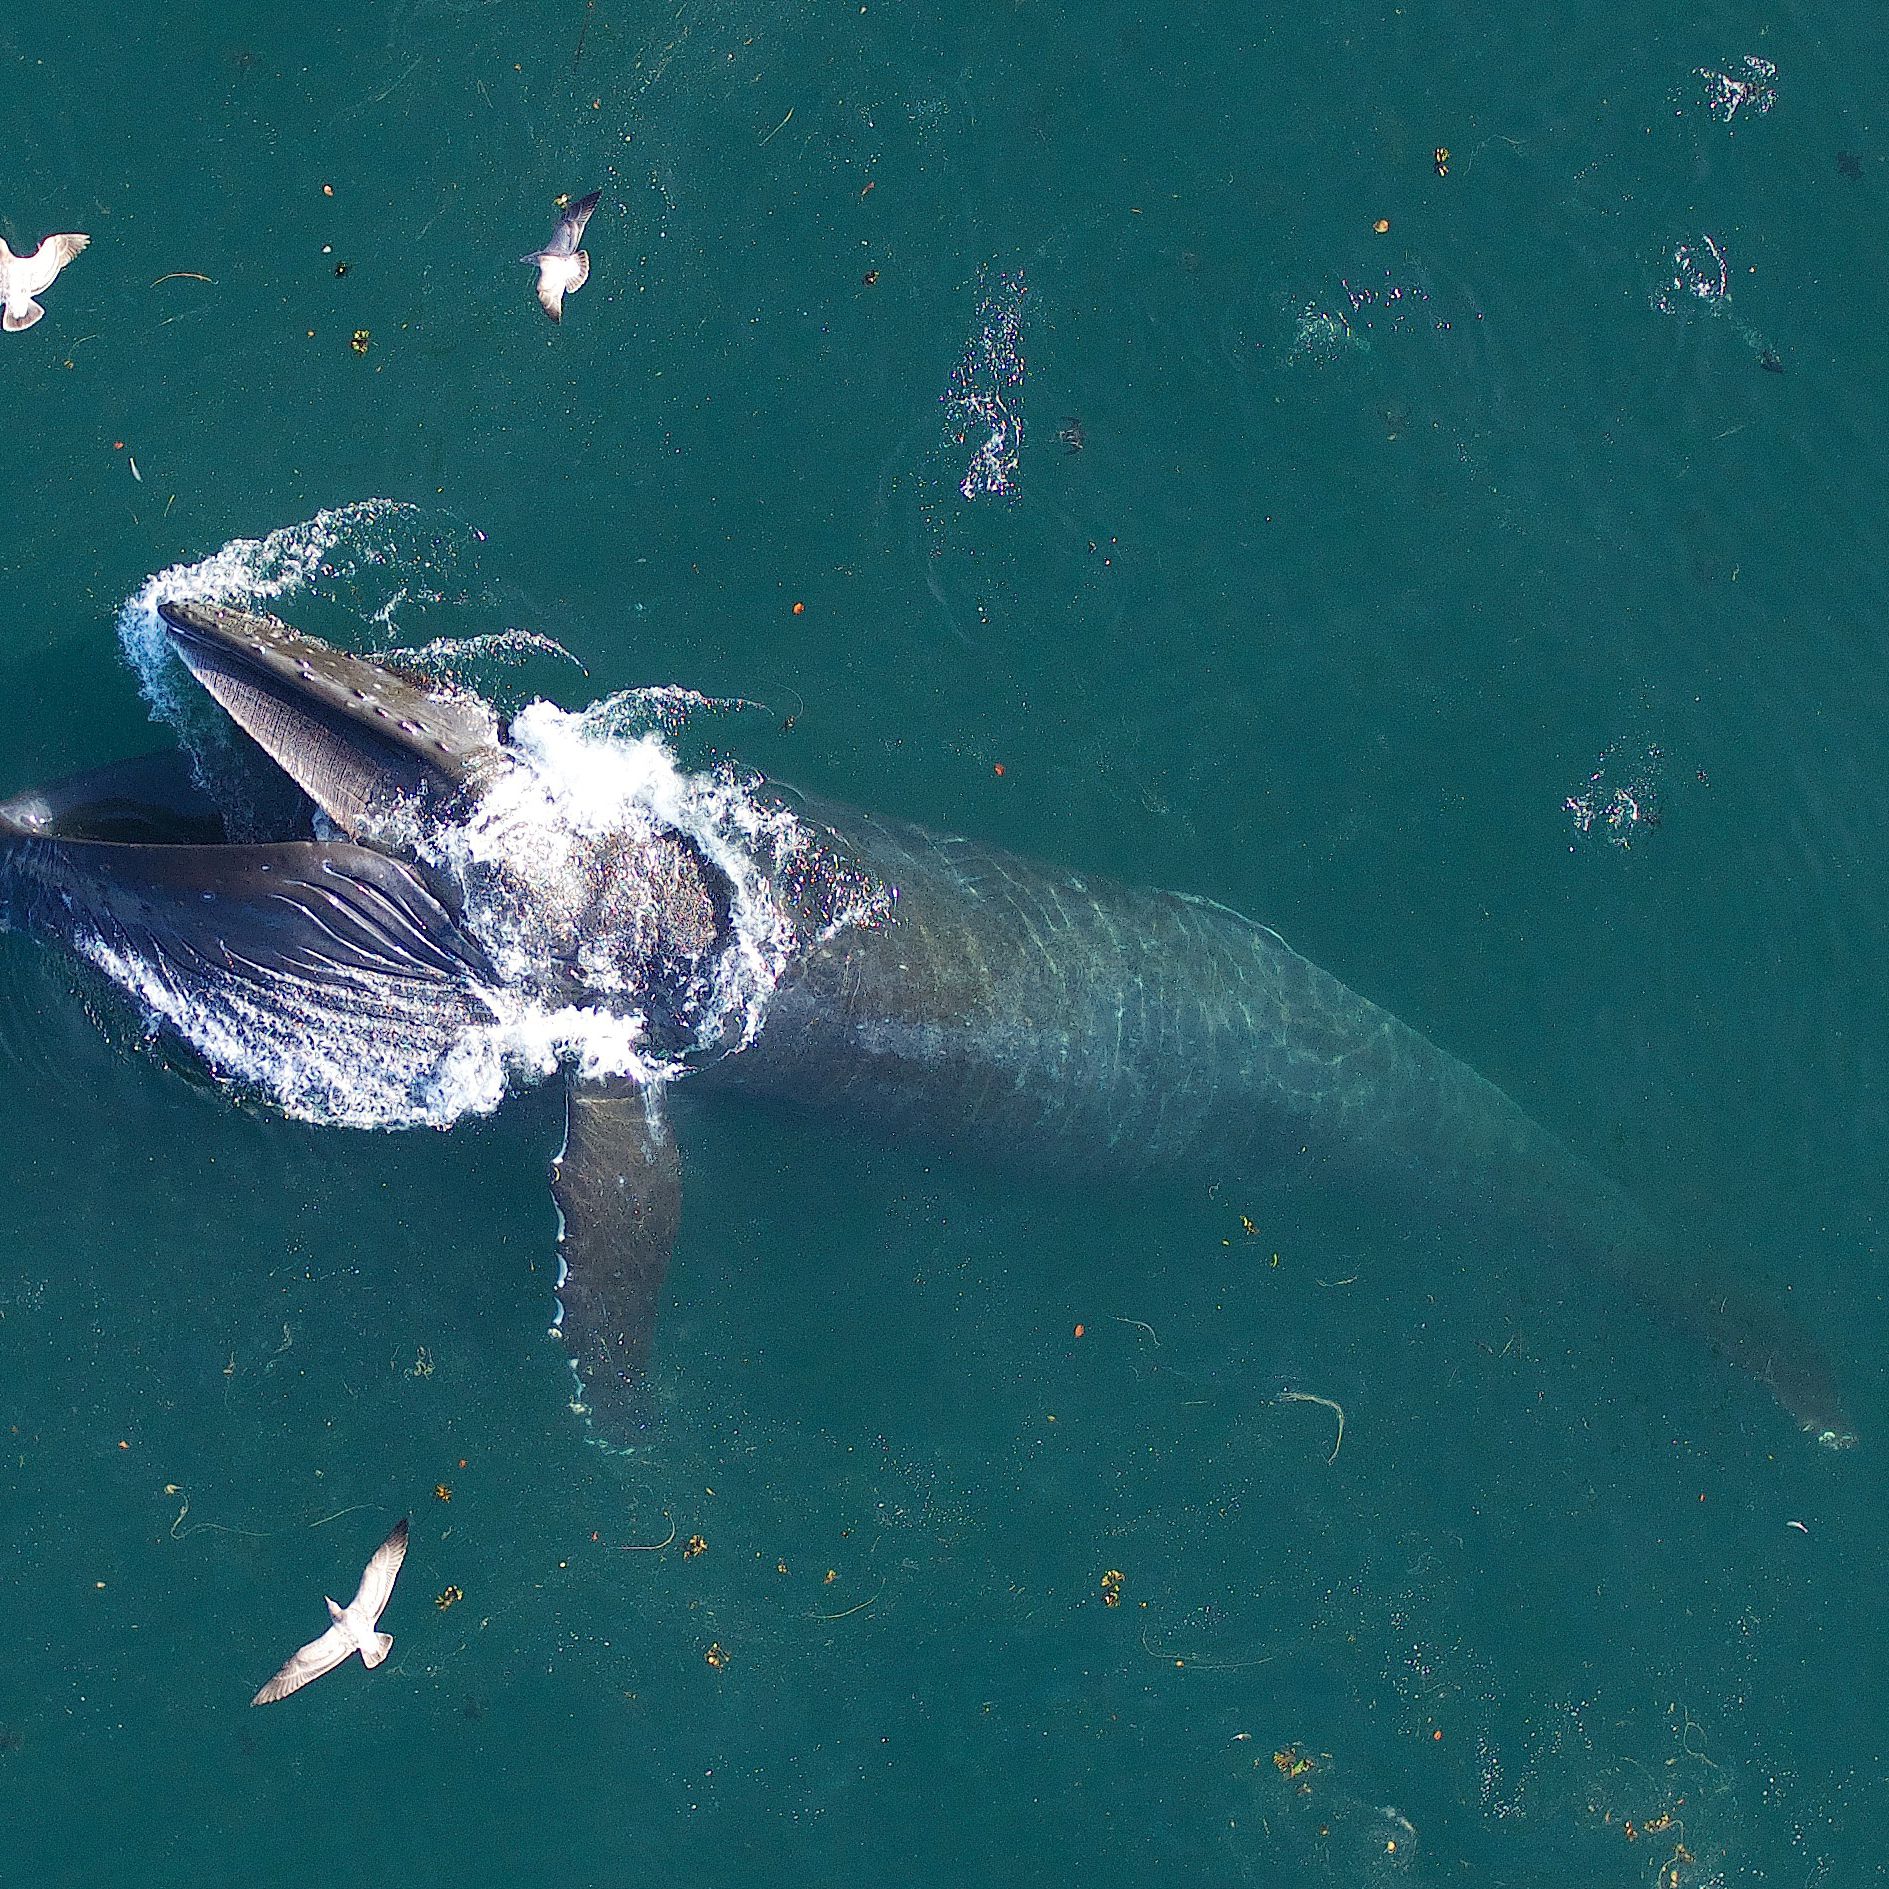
(623,914)
(367,744)
(422,923)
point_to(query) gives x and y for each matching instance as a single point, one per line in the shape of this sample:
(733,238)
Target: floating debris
(1613,810)
(1291,1763)
(1111,1585)
(1328,1403)
(448,1597)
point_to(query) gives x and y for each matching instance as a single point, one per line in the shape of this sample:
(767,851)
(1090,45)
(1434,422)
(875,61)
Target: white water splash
(984,403)
(1749,87)
(375,555)
(578,785)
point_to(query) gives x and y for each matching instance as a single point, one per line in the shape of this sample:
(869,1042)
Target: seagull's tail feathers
(375,1648)
(20,315)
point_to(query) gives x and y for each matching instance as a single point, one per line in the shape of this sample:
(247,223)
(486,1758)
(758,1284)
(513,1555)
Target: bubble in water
(1320,335)
(1699,274)
(1749,87)
(1701,277)
(983,404)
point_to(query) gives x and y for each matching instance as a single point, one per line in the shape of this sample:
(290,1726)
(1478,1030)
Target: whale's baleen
(929,985)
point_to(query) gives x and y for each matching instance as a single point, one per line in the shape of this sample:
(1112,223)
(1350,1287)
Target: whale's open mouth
(357,737)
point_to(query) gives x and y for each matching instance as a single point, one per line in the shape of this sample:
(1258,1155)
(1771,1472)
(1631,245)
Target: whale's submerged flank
(796,951)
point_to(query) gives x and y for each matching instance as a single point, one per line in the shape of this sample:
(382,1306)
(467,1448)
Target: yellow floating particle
(1440,157)
(717,1655)
(832,1575)
(694,1546)
(449,1597)
(1111,1585)
(442,1492)
(359,345)
(1382,226)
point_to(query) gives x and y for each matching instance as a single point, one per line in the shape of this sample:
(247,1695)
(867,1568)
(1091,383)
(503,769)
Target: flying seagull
(353,1629)
(23,277)
(562,267)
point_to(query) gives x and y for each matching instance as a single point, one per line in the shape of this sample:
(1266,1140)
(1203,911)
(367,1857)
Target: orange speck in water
(327,190)
(122,1444)
(800,609)
(1078,1331)
(1436,1737)
(1382,226)
(462,1462)
(997,768)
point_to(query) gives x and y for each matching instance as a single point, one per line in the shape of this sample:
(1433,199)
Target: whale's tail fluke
(1755,1335)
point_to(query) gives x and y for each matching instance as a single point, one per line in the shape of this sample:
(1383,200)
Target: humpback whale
(433,888)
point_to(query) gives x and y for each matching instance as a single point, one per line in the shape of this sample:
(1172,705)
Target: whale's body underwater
(794,951)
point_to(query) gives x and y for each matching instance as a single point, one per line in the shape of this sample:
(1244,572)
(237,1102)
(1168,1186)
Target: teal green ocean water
(1472,566)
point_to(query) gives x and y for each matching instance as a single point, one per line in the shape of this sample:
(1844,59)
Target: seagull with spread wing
(563,268)
(23,277)
(353,1630)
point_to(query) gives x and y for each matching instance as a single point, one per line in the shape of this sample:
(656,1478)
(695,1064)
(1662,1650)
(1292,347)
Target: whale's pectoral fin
(618,1186)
